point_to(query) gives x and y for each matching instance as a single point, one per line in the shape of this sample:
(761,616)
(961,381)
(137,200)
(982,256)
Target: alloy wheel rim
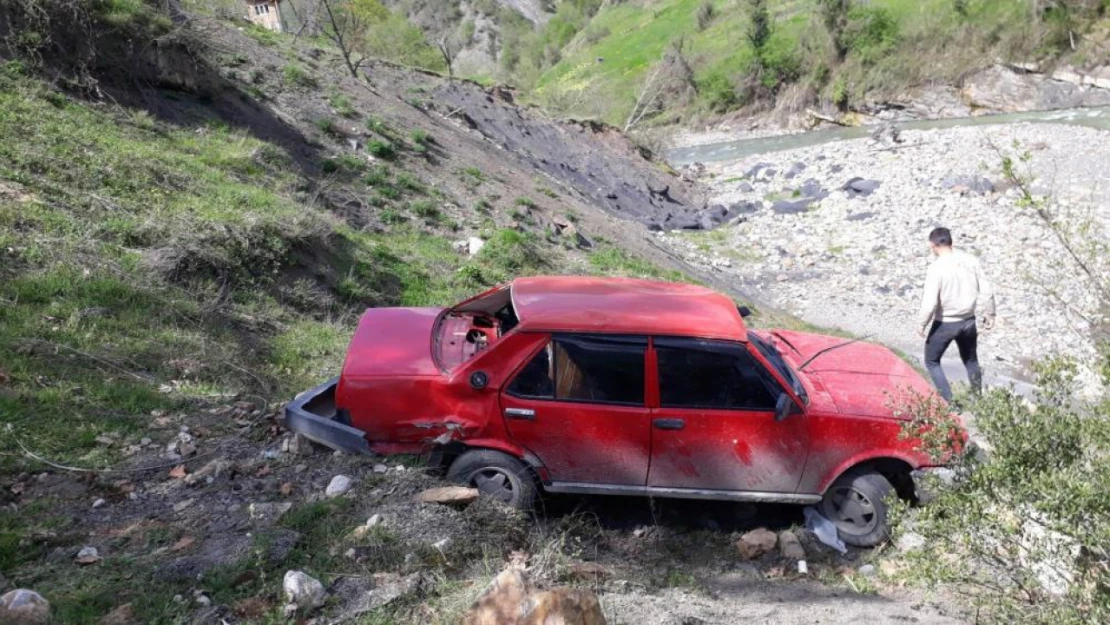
(494,482)
(852,511)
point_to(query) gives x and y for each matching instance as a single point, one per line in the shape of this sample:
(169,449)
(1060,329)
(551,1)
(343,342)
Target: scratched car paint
(626,387)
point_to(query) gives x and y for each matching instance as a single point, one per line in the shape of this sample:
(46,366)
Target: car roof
(624,306)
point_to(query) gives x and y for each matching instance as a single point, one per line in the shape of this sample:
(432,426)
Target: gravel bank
(837,233)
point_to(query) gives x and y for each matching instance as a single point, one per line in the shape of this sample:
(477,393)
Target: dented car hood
(857,379)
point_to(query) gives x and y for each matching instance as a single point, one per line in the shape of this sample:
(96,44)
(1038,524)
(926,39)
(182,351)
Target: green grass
(630,38)
(615,261)
(296,76)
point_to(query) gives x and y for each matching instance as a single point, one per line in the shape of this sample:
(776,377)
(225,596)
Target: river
(742,148)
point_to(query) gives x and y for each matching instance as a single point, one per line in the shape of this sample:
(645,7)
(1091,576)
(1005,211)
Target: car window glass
(536,379)
(595,369)
(711,374)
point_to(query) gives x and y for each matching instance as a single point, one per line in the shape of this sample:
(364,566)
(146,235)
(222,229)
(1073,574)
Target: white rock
(475,245)
(442,544)
(338,486)
(26,607)
(87,555)
(98,503)
(302,591)
(867,570)
(374,521)
(381,468)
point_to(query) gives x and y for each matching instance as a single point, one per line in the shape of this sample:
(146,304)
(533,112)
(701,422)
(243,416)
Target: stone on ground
(791,547)
(756,543)
(24,607)
(122,615)
(338,486)
(303,592)
(510,600)
(449,495)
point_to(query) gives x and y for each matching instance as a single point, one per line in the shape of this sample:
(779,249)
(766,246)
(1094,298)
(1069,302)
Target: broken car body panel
(598,385)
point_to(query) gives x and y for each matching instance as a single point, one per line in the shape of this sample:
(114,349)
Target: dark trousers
(941,336)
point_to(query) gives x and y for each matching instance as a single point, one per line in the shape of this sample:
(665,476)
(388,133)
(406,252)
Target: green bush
(1033,513)
(870,34)
(382,149)
(295,76)
(780,63)
(840,93)
(718,92)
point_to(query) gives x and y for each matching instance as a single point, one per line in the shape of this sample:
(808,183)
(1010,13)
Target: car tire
(857,504)
(495,474)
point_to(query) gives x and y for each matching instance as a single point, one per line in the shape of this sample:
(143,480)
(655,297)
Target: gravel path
(855,258)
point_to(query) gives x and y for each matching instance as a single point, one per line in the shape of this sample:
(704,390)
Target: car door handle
(520,413)
(669,424)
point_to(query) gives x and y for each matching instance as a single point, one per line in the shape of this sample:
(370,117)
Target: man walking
(955,288)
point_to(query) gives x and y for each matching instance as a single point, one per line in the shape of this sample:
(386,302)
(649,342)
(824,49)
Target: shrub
(425,209)
(328,127)
(525,201)
(420,137)
(718,92)
(840,94)
(381,149)
(378,175)
(705,14)
(1031,519)
(342,105)
(295,76)
(870,34)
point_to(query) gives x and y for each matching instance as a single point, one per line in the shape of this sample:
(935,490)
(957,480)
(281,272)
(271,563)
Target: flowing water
(742,148)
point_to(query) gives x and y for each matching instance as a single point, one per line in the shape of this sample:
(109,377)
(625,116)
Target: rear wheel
(857,503)
(496,475)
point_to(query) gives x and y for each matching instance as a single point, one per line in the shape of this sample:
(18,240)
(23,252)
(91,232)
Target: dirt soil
(219,525)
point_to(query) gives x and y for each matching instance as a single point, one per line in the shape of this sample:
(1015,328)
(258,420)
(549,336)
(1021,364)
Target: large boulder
(510,600)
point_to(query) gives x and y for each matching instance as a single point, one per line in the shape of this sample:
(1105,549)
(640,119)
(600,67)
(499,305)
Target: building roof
(625,306)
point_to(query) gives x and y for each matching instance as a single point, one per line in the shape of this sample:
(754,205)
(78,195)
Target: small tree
(449,45)
(834,15)
(760,26)
(345,23)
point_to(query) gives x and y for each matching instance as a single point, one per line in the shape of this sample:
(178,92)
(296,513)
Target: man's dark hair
(941,237)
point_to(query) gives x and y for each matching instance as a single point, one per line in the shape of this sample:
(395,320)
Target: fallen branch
(825,118)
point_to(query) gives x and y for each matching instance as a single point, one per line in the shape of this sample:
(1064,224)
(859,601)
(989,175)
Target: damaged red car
(625,387)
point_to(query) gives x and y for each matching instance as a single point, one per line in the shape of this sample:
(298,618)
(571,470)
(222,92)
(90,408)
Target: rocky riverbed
(837,233)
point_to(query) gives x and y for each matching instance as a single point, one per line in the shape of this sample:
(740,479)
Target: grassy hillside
(891,44)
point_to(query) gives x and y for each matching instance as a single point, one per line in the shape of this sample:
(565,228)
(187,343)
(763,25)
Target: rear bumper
(313,415)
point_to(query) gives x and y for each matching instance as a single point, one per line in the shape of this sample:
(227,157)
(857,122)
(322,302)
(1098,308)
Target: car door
(578,405)
(715,426)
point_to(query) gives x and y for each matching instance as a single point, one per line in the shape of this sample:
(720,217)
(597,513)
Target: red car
(625,387)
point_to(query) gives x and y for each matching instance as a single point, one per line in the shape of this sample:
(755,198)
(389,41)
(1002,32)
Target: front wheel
(496,475)
(857,503)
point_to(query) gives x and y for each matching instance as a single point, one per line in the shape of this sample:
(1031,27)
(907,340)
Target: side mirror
(745,312)
(783,407)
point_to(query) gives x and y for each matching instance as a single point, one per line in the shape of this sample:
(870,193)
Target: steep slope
(886,47)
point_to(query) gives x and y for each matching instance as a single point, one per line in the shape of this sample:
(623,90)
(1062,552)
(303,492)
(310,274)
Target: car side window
(696,373)
(594,369)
